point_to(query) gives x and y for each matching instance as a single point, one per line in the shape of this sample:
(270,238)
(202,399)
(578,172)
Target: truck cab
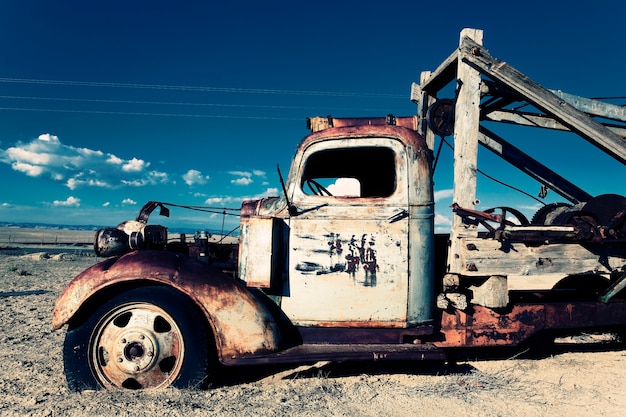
(352,236)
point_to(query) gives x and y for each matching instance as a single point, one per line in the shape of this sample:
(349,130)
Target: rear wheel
(141,339)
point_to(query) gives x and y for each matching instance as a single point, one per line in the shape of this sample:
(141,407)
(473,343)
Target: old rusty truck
(324,274)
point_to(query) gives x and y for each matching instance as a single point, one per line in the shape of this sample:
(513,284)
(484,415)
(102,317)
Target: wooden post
(466,123)
(426,100)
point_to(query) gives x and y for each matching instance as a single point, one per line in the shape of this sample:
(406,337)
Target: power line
(166,103)
(207,116)
(198,88)
(218,89)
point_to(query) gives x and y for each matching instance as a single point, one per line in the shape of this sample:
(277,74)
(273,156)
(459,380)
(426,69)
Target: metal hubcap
(137,346)
(135,351)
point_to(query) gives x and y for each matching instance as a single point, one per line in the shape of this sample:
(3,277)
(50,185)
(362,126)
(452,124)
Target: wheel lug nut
(120,360)
(136,368)
(123,340)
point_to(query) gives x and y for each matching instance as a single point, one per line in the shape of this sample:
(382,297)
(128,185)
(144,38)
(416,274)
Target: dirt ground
(573,379)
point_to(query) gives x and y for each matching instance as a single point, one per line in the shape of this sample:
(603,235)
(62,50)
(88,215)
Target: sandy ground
(573,379)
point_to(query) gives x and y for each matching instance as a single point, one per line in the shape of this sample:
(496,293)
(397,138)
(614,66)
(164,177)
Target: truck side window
(350,172)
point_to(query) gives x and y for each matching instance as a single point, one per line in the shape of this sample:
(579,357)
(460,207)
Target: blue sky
(105,105)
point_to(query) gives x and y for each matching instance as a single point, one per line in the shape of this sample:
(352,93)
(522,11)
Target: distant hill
(94,228)
(55,234)
(49,226)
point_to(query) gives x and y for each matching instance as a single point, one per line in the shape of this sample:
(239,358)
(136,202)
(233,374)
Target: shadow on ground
(457,363)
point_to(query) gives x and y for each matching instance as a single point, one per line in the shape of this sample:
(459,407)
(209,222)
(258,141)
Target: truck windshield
(350,172)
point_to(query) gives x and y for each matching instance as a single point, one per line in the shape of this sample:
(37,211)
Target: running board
(344,352)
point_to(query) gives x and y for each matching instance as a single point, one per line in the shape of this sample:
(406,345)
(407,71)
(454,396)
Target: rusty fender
(244,322)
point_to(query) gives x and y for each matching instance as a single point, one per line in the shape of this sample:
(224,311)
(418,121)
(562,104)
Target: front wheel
(141,339)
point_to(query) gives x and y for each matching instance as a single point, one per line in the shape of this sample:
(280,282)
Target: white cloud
(135,165)
(442,223)
(242,181)
(270,192)
(112,159)
(443,194)
(33,156)
(74,183)
(151,178)
(159,177)
(129,201)
(214,200)
(441,220)
(240,173)
(195,177)
(245,177)
(135,183)
(6,205)
(220,200)
(236,201)
(529,208)
(69,202)
(47,137)
(106,204)
(78,167)
(28,169)
(345,187)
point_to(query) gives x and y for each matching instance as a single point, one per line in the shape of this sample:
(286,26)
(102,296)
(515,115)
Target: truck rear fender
(244,321)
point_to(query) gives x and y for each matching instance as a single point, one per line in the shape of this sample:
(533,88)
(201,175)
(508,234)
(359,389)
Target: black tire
(144,338)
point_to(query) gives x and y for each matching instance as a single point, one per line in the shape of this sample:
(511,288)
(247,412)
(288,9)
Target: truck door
(349,240)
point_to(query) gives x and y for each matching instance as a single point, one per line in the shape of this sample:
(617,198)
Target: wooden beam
(593,107)
(425,101)
(532,167)
(537,120)
(524,119)
(466,124)
(442,76)
(472,53)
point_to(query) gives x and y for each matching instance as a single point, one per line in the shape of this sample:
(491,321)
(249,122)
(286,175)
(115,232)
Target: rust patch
(485,327)
(243,321)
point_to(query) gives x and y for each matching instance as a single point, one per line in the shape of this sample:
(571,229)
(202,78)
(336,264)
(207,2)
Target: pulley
(440,117)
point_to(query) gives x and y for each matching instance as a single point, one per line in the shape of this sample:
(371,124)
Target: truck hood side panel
(244,321)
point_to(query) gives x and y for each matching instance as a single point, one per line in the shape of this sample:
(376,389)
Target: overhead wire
(443,141)
(175,103)
(184,88)
(196,88)
(127,113)
(207,209)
